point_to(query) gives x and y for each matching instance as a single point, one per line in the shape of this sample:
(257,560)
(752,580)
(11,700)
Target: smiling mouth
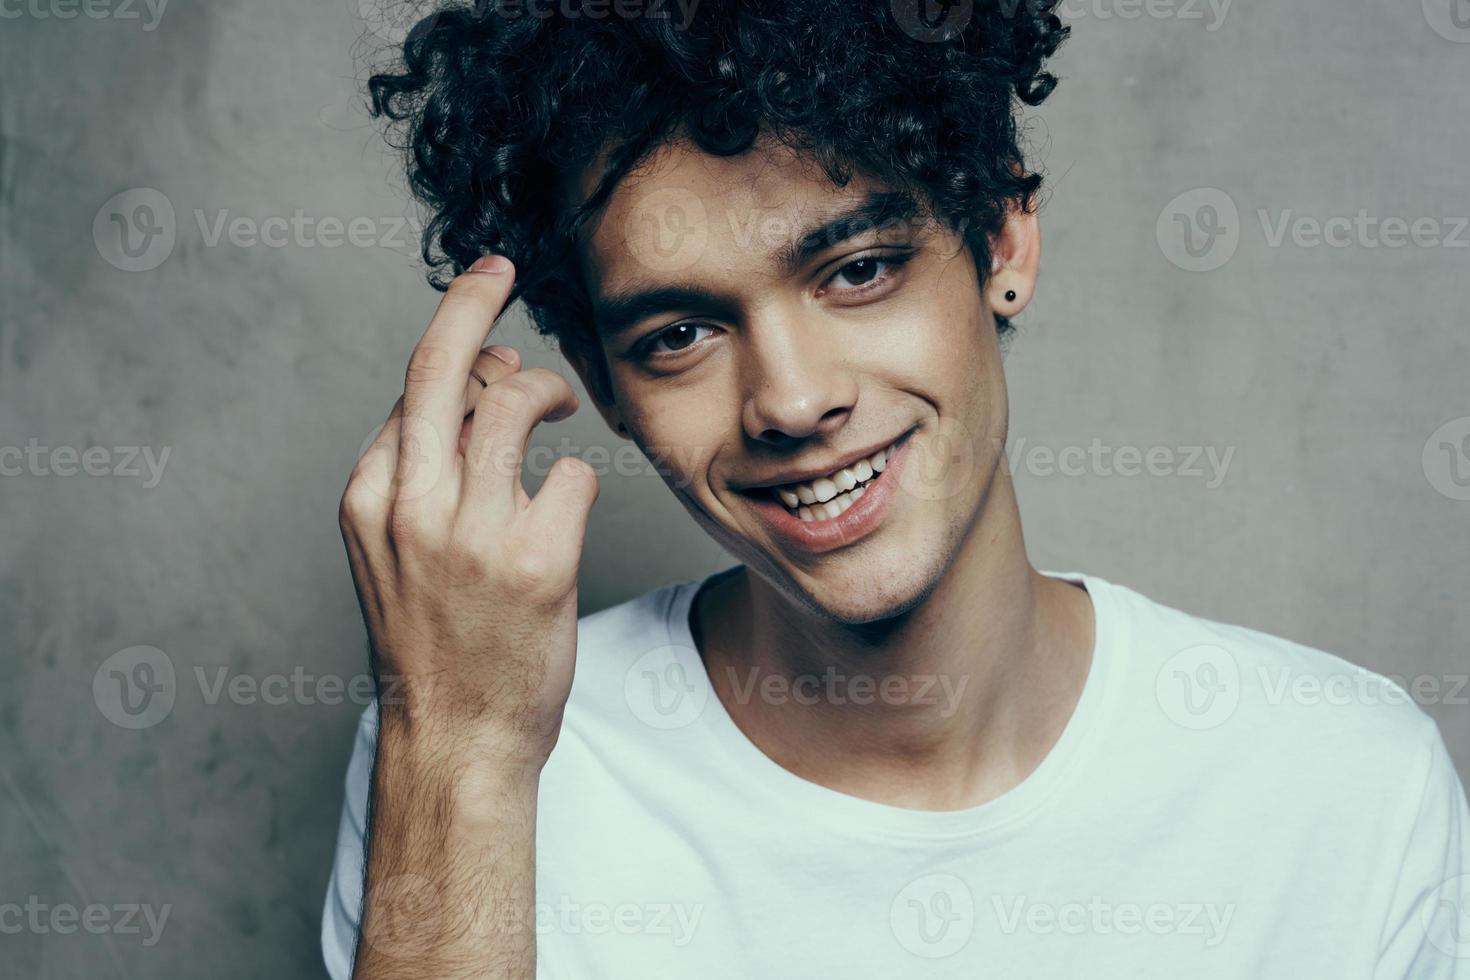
(828,496)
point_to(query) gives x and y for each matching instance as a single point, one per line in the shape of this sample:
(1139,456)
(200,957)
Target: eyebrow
(616,313)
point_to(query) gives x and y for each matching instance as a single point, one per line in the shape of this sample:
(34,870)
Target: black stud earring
(1010,295)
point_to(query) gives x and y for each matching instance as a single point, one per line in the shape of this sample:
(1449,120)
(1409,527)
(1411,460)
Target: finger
(367,502)
(438,370)
(504,417)
(493,364)
(560,508)
(377,468)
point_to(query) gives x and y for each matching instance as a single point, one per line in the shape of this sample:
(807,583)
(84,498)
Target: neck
(943,707)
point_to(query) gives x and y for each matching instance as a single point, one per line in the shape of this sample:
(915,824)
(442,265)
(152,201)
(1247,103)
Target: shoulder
(1235,695)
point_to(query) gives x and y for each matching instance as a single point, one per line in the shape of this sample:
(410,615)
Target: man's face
(764,350)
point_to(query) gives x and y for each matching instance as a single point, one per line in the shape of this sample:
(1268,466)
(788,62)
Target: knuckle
(358,503)
(506,400)
(428,363)
(534,571)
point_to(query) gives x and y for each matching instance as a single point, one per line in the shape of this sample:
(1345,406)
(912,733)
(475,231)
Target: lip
(807,475)
(852,525)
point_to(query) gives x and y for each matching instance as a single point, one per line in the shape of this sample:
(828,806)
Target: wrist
(464,774)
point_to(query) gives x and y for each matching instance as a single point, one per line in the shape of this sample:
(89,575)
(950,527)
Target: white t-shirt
(1222,803)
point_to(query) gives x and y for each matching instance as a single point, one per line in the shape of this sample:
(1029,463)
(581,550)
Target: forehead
(687,217)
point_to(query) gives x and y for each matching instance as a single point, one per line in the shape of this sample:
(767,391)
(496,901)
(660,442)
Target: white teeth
(827,497)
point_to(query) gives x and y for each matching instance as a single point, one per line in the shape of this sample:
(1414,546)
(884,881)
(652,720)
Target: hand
(468,585)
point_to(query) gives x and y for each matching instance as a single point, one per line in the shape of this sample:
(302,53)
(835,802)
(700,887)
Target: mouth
(825,513)
(827,497)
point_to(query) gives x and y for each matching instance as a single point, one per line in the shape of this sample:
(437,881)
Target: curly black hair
(498,102)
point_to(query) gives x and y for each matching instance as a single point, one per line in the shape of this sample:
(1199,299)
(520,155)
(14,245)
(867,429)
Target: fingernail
(506,354)
(491,263)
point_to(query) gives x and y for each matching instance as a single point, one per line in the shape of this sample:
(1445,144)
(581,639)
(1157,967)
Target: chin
(883,580)
(871,602)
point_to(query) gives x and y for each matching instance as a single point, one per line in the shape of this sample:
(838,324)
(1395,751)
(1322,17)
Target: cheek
(944,347)
(678,426)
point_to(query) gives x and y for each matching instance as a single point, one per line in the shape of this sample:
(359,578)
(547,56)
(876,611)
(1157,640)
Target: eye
(673,339)
(864,274)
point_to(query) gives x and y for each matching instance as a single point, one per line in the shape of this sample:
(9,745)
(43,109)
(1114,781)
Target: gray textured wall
(1325,370)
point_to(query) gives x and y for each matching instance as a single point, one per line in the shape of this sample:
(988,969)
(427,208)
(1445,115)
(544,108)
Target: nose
(796,381)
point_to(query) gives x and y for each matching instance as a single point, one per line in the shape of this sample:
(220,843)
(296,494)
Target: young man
(780,244)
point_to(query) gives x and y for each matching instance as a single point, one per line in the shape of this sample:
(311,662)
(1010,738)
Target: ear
(594,379)
(1015,260)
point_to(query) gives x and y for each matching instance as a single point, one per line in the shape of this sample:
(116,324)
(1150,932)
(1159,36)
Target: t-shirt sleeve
(343,908)
(1427,935)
